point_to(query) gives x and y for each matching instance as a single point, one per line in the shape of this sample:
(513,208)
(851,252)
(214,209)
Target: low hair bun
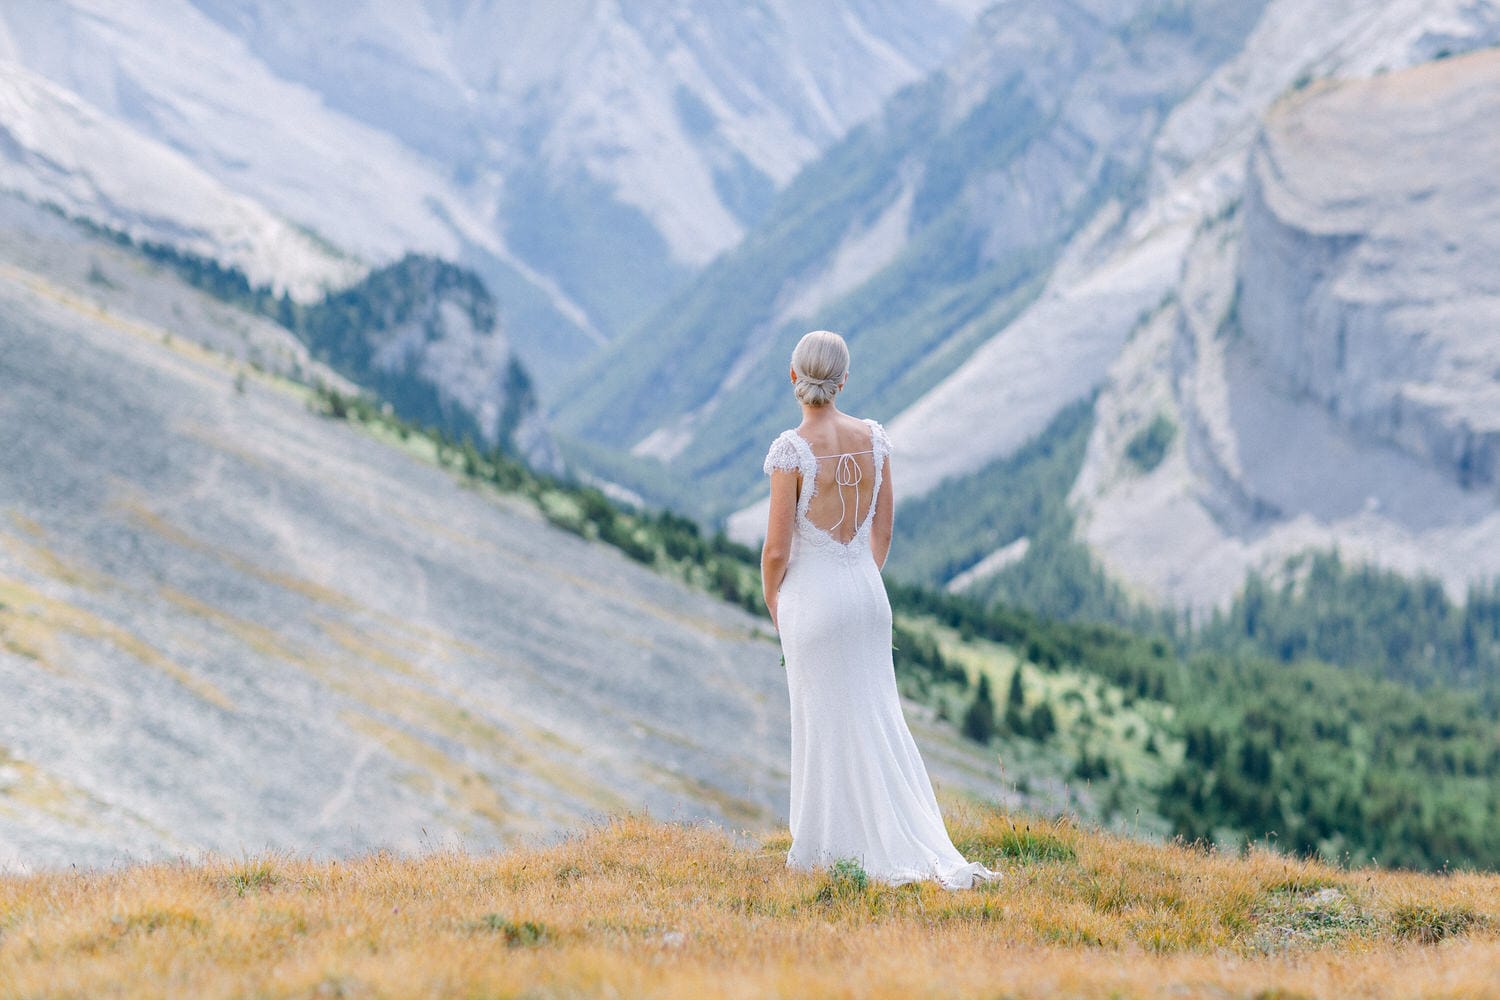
(821,361)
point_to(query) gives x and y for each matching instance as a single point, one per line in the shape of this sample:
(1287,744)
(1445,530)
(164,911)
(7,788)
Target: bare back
(845,485)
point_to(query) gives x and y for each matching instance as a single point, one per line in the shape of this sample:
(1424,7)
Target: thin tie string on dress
(846,473)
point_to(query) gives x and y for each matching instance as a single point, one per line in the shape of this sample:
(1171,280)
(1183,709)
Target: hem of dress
(965,876)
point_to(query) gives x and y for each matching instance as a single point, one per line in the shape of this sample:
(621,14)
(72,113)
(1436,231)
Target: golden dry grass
(639,908)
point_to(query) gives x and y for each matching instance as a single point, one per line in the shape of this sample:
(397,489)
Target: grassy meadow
(636,907)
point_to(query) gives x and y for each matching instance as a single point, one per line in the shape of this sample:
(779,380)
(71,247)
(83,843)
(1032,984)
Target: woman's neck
(818,414)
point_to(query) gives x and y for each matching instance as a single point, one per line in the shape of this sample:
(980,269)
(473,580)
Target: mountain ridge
(584,159)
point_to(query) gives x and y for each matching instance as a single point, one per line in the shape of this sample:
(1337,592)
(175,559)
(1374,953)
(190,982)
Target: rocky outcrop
(1367,274)
(426,335)
(1329,354)
(1062,344)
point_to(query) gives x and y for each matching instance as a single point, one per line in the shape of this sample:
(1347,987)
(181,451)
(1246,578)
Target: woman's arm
(880,531)
(777,549)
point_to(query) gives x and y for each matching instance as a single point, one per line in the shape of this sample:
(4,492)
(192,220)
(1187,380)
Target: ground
(636,907)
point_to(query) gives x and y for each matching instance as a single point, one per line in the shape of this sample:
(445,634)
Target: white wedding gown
(859,787)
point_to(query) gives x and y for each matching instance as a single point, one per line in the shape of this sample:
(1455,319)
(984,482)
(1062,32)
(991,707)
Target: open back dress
(859,788)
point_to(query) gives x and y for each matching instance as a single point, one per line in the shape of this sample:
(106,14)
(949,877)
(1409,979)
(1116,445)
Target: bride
(859,788)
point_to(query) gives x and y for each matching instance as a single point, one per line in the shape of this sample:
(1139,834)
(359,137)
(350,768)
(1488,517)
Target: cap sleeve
(881,441)
(783,455)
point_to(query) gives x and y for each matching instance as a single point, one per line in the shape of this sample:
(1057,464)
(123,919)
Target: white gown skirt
(859,788)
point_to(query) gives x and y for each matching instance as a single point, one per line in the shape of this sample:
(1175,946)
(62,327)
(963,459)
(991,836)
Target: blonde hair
(821,361)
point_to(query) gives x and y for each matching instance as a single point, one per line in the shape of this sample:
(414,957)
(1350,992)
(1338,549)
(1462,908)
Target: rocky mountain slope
(230,624)
(58,150)
(1331,358)
(585,157)
(922,235)
(995,245)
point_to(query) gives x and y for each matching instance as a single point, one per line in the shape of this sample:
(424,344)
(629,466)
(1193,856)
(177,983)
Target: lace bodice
(791,452)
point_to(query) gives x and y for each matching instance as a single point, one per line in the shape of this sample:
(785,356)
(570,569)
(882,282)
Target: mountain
(923,234)
(1005,211)
(586,157)
(1015,236)
(1331,358)
(58,150)
(229,623)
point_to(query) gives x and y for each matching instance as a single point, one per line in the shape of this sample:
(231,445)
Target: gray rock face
(1367,274)
(1329,355)
(1104,76)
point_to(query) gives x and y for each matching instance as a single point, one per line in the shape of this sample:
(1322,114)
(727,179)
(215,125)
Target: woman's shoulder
(878,434)
(784,453)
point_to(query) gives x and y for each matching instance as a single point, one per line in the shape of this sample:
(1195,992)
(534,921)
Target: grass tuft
(515,933)
(1302,883)
(1301,915)
(1028,842)
(846,880)
(1426,923)
(250,876)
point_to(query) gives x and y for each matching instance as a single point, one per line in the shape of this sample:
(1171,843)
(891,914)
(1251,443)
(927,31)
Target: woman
(859,789)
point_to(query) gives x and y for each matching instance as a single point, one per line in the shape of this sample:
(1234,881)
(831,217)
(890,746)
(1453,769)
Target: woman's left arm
(880,531)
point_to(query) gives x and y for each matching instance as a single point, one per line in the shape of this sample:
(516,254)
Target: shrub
(847,879)
(1043,724)
(1149,445)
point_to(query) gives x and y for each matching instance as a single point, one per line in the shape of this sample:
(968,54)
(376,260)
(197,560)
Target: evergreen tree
(1042,725)
(1015,701)
(979,719)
